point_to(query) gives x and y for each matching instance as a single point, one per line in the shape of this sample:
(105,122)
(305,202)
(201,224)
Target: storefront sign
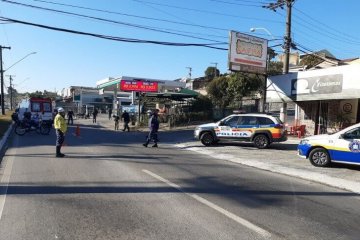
(317,85)
(138,86)
(247,53)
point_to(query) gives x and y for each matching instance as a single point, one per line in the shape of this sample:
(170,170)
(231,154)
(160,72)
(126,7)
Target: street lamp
(264,29)
(267,64)
(20,60)
(2,80)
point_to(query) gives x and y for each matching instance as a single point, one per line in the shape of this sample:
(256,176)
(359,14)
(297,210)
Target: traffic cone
(77,131)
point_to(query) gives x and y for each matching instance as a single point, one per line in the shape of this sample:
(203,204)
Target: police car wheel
(261,141)
(319,157)
(207,139)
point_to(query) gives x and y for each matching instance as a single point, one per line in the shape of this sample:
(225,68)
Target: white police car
(342,147)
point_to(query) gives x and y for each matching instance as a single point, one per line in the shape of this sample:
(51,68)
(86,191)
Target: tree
(211,72)
(243,84)
(218,92)
(275,68)
(227,90)
(311,61)
(201,104)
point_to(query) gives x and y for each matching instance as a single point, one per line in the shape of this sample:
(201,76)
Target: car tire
(45,129)
(207,139)
(20,130)
(319,157)
(261,141)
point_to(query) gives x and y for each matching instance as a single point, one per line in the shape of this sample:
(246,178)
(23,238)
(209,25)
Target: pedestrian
(116,119)
(61,128)
(70,115)
(126,118)
(95,113)
(154,127)
(110,112)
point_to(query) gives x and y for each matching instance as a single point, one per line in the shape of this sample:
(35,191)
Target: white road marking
(5,181)
(221,210)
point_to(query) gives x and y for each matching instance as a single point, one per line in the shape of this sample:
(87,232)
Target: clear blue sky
(65,59)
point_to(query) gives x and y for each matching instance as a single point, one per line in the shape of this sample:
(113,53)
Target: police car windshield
(278,120)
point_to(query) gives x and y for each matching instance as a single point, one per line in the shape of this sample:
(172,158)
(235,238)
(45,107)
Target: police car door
(228,127)
(347,147)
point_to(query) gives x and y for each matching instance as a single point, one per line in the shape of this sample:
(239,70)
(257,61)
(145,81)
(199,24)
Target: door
(347,147)
(228,127)
(247,126)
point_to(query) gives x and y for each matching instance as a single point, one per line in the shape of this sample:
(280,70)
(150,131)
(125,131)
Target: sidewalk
(279,158)
(103,120)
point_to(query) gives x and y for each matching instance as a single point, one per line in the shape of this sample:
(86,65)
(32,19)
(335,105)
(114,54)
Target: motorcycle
(25,126)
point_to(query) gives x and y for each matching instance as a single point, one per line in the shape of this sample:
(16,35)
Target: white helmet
(61,110)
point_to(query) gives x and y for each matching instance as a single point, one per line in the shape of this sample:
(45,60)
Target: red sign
(138,86)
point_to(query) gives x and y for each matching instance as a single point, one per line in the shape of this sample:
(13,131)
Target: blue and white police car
(342,147)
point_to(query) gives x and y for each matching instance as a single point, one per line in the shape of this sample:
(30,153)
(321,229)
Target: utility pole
(11,91)
(2,80)
(215,68)
(287,37)
(287,42)
(190,69)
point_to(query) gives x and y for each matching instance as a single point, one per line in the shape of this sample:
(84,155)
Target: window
(35,107)
(353,134)
(247,120)
(47,107)
(232,122)
(265,121)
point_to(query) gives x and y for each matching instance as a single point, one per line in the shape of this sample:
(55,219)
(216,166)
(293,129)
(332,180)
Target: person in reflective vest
(61,128)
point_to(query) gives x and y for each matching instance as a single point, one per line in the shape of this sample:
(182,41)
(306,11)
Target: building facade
(326,99)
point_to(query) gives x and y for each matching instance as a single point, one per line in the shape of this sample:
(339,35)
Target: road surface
(111,187)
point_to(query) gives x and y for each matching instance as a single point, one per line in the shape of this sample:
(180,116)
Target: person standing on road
(126,118)
(61,128)
(110,112)
(95,113)
(70,117)
(116,119)
(154,127)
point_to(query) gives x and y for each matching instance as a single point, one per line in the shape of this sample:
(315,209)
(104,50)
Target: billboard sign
(138,86)
(247,53)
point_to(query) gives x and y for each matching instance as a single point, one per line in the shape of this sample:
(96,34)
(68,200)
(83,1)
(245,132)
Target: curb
(321,178)
(5,137)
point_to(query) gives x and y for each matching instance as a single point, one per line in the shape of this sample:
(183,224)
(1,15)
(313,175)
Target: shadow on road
(38,189)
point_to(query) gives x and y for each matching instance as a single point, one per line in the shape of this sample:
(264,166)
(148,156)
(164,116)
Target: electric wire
(207,12)
(120,39)
(110,21)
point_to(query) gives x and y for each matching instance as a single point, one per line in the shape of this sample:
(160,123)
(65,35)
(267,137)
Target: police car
(342,147)
(261,129)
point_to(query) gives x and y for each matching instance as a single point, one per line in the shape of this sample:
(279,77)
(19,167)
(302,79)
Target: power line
(131,15)
(113,38)
(325,25)
(207,12)
(237,3)
(110,21)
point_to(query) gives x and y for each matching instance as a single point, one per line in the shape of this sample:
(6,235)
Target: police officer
(154,127)
(61,128)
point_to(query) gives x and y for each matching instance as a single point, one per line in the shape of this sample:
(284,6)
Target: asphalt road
(110,187)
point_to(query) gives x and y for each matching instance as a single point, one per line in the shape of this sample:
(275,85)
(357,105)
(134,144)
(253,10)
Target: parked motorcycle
(25,126)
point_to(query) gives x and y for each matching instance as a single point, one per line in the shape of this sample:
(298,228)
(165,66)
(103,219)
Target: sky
(66,59)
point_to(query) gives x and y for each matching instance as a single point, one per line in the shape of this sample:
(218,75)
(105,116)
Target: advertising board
(247,53)
(138,86)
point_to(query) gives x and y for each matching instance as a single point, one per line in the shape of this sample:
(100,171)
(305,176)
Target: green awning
(189,92)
